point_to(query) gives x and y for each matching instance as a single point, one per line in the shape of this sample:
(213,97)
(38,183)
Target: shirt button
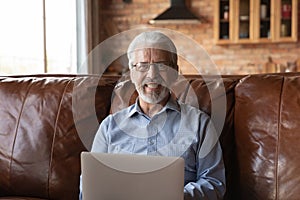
(154,130)
(151,142)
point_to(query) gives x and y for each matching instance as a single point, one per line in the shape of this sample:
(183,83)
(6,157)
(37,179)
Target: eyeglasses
(143,67)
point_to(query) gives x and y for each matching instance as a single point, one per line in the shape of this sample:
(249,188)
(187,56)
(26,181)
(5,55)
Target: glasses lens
(143,67)
(162,66)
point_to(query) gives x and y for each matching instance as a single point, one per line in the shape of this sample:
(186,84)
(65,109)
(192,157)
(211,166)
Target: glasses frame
(144,67)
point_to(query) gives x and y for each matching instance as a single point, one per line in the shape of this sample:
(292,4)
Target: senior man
(157,123)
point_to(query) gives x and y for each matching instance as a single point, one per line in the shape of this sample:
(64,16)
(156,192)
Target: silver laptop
(131,177)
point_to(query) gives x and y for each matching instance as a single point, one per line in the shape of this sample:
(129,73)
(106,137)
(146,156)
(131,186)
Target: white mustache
(156,80)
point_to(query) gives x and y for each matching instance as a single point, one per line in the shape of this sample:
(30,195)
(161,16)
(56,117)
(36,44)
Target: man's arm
(210,182)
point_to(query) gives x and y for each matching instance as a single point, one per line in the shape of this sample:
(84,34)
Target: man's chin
(153,98)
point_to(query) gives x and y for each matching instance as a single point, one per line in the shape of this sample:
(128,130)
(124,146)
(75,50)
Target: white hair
(152,39)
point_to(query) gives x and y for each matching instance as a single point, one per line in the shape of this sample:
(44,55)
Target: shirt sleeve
(210,180)
(100,143)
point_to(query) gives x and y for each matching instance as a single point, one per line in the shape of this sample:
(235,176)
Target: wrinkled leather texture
(39,132)
(267,133)
(48,120)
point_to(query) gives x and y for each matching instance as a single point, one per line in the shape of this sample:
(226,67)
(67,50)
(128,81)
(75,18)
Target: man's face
(152,82)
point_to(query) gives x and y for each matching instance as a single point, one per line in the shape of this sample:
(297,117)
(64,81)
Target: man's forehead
(148,49)
(151,52)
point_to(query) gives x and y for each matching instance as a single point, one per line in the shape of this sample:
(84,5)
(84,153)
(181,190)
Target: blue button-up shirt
(177,130)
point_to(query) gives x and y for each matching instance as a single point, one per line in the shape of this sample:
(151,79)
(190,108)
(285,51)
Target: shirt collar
(172,104)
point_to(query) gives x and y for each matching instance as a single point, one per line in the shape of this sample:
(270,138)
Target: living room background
(110,17)
(27,46)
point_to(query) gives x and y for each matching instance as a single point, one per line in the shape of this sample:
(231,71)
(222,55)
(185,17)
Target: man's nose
(153,71)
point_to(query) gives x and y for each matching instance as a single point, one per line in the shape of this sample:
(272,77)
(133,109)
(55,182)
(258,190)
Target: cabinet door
(286,20)
(244,21)
(223,21)
(264,21)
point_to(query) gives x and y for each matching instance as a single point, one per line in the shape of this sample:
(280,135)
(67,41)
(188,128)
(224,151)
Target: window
(29,44)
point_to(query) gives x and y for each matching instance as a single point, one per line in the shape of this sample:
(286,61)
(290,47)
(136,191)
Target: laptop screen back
(131,177)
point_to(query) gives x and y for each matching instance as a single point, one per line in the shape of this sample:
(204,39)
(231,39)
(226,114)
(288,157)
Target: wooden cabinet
(255,21)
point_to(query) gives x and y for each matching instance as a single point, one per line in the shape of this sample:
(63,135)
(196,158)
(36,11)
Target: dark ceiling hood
(177,13)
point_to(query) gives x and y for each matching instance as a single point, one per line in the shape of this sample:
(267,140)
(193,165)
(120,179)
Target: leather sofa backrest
(267,135)
(48,120)
(43,122)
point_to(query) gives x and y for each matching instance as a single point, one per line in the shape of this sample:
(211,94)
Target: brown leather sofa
(48,120)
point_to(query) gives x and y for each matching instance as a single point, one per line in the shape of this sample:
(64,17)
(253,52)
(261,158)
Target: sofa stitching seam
(278,137)
(54,134)
(16,132)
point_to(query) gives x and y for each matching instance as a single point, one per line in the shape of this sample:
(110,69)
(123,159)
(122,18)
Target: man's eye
(144,65)
(162,66)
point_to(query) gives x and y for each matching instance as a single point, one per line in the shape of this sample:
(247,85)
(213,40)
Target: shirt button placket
(152,140)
